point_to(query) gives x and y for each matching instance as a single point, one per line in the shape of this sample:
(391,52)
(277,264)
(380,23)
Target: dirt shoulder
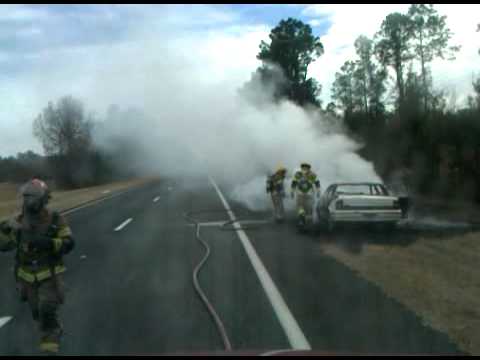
(444,209)
(435,275)
(62,200)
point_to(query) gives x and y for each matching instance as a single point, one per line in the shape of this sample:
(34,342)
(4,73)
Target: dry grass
(62,200)
(439,279)
(7,192)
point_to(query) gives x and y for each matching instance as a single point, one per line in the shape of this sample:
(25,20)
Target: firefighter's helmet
(36,194)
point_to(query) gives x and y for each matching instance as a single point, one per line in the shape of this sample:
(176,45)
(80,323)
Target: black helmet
(307,165)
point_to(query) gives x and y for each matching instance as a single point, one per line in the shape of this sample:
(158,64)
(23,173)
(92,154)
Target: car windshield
(353,190)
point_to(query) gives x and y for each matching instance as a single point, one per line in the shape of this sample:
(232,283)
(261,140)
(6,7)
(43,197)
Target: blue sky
(272,14)
(31,29)
(47,51)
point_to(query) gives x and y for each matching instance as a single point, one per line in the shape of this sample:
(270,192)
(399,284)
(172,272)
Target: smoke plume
(179,112)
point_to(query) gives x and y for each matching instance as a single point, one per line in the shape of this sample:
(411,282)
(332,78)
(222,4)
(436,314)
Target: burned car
(360,203)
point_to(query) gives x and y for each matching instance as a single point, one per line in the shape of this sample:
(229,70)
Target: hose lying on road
(218,322)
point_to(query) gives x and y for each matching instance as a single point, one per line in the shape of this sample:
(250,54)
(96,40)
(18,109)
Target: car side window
(381,190)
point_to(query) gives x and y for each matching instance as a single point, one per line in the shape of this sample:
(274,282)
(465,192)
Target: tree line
(385,98)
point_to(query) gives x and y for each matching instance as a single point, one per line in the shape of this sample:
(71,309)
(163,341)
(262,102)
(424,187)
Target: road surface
(130,291)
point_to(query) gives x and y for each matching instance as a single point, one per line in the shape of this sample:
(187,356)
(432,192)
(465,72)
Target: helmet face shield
(32,203)
(35,196)
(305,167)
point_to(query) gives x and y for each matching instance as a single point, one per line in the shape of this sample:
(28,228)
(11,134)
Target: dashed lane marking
(122,225)
(4,320)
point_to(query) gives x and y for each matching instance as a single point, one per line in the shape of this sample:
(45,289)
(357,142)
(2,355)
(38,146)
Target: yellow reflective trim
(49,346)
(41,275)
(7,242)
(64,232)
(57,244)
(25,275)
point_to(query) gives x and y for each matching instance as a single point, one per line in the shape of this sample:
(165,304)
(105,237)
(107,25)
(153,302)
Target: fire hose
(226,226)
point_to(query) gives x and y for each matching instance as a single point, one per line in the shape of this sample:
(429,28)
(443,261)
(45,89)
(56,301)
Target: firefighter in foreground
(40,237)
(305,182)
(276,188)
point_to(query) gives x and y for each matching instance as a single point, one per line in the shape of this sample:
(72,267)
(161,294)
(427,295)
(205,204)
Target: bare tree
(64,128)
(66,135)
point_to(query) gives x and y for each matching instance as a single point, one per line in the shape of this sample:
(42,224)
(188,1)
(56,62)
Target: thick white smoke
(192,120)
(195,128)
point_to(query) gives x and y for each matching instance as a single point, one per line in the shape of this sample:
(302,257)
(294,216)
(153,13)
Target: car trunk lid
(367,202)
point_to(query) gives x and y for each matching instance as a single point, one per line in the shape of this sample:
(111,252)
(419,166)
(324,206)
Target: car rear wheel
(390,227)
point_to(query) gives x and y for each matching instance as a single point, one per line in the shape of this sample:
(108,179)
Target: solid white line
(122,225)
(211,223)
(156,199)
(222,223)
(294,334)
(4,320)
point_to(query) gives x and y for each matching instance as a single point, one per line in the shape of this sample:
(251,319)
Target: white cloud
(315,23)
(118,73)
(30,32)
(347,23)
(21,12)
(457,75)
(350,21)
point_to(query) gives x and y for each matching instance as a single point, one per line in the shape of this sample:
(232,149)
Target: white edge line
(222,223)
(95,202)
(4,320)
(211,223)
(122,225)
(294,334)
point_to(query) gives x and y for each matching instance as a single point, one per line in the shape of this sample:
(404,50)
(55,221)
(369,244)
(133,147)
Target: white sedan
(360,203)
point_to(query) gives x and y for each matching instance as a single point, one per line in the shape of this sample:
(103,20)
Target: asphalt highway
(129,286)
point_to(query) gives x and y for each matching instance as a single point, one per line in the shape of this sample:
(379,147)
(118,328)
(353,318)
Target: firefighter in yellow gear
(40,237)
(276,188)
(304,184)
